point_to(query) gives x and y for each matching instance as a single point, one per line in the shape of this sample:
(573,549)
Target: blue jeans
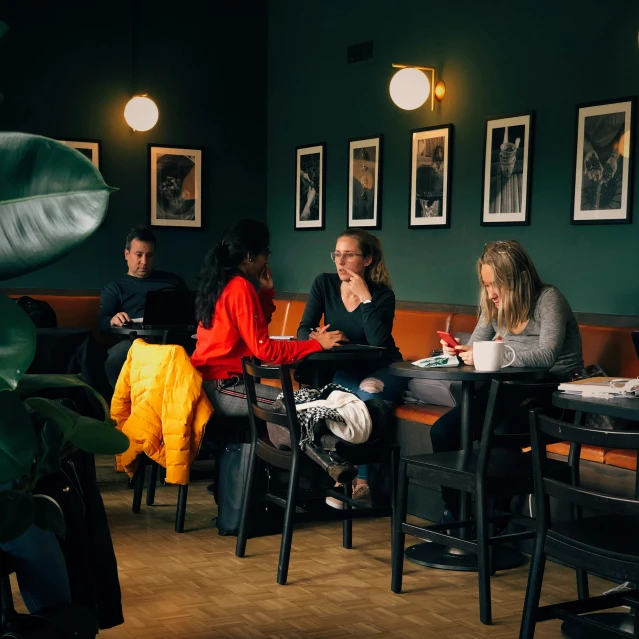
(394,386)
(40,568)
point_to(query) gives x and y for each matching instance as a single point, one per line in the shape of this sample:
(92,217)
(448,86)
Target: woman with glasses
(533,318)
(234,304)
(357,301)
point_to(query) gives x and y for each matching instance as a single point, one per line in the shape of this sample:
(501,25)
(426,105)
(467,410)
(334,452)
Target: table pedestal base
(618,620)
(447,558)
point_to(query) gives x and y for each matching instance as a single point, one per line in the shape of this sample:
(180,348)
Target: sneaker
(362,492)
(335,503)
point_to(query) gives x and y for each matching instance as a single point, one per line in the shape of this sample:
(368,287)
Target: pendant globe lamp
(141,113)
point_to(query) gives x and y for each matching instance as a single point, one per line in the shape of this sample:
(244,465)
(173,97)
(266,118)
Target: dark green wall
(65,71)
(497,58)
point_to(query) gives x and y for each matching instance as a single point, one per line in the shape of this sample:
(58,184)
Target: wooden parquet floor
(192,584)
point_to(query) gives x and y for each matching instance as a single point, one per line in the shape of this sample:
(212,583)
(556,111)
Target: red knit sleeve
(245,305)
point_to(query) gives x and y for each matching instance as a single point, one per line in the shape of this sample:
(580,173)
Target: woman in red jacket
(234,305)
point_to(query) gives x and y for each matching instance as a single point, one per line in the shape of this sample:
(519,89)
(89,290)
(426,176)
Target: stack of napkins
(602,387)
(438,361)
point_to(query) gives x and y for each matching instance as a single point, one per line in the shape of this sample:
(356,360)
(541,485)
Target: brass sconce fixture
(410,87)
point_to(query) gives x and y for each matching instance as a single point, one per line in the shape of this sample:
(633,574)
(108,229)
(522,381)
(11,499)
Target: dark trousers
(116,356)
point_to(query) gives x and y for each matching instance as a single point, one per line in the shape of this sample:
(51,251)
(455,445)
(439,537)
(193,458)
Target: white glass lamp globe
(409,89)
(141,113)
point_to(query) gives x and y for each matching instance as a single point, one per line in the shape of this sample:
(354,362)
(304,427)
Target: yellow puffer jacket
(159,404)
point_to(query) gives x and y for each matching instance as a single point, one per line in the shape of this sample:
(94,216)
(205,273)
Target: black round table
(348,353)
(618,407)
(133,332)
(436,555)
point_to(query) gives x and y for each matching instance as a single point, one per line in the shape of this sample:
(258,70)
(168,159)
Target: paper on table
(137,320)
(437,362)
(282,336)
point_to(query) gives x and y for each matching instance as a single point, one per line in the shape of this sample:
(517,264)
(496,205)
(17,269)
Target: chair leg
(180,514)
(533,589)
(394,474)
(6,602)
(347,524)
(483,558)
(399,537)
(242,534)
(153,478)
(583,590)
(289,513)
(138,484)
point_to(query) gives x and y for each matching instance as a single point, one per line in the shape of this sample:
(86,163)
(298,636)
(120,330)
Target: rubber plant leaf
(17,438)
(51,199)
(17,342)
(16,513)
(88,434)
(33,383)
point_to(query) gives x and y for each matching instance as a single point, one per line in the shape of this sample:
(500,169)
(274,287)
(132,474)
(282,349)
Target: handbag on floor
(229,488)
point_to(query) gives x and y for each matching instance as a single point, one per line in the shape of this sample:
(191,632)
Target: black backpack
(40,312)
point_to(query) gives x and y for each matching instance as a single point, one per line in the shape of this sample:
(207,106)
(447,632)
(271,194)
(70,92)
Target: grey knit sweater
(550,340)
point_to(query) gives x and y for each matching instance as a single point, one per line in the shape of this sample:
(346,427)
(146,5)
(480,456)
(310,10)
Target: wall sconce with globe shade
(410,87)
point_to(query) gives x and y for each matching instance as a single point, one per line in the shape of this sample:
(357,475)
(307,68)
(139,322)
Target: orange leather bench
(415,333)
(416,336)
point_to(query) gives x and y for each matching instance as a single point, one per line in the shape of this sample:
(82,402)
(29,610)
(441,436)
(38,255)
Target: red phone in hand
(448,338)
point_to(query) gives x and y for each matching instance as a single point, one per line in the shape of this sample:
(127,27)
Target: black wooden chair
(221,428)
(603,542)
(7,611)
(497,468)
(295,461)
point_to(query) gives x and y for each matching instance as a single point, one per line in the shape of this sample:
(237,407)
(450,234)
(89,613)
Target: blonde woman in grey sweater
(533,318)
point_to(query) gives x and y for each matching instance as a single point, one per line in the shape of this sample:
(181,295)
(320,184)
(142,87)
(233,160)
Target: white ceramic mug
(489,356)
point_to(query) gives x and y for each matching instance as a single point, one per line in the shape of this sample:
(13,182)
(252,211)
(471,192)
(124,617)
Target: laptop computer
(169,308)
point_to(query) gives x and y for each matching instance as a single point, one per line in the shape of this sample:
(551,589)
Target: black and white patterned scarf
(311,416)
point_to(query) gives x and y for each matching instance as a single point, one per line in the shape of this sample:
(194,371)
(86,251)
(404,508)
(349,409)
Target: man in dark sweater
(123,300)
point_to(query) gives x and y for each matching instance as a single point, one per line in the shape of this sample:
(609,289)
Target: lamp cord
(134,51)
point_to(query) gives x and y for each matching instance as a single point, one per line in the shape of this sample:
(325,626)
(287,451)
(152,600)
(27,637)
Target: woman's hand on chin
(266,278)
(358,285)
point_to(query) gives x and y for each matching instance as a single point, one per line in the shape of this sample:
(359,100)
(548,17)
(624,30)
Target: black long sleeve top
(128,294)
(370,324)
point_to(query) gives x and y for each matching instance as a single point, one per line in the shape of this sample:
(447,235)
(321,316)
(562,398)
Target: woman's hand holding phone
(451,346)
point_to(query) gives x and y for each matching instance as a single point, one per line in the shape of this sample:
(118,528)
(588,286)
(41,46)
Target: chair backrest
(258,415)
(545,430)
(508,396)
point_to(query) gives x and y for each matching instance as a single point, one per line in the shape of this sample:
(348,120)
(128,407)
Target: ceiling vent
(359,52)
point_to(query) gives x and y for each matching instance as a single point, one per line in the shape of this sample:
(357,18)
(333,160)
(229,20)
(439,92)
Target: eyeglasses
(348,257)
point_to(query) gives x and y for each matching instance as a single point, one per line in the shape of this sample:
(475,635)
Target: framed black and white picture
(507,171)
(175,186)
(365,183)
(430,177)
(89,148)
(602,190)
(310,187)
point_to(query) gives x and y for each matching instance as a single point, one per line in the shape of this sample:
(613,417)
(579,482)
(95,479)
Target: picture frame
(430,177)
(175,186)
(310,187)
(364,204)
(89,148)
(506,187)
(603,165)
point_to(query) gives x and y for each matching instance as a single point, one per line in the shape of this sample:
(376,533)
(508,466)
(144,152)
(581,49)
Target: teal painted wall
(497,58)
(65,71)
